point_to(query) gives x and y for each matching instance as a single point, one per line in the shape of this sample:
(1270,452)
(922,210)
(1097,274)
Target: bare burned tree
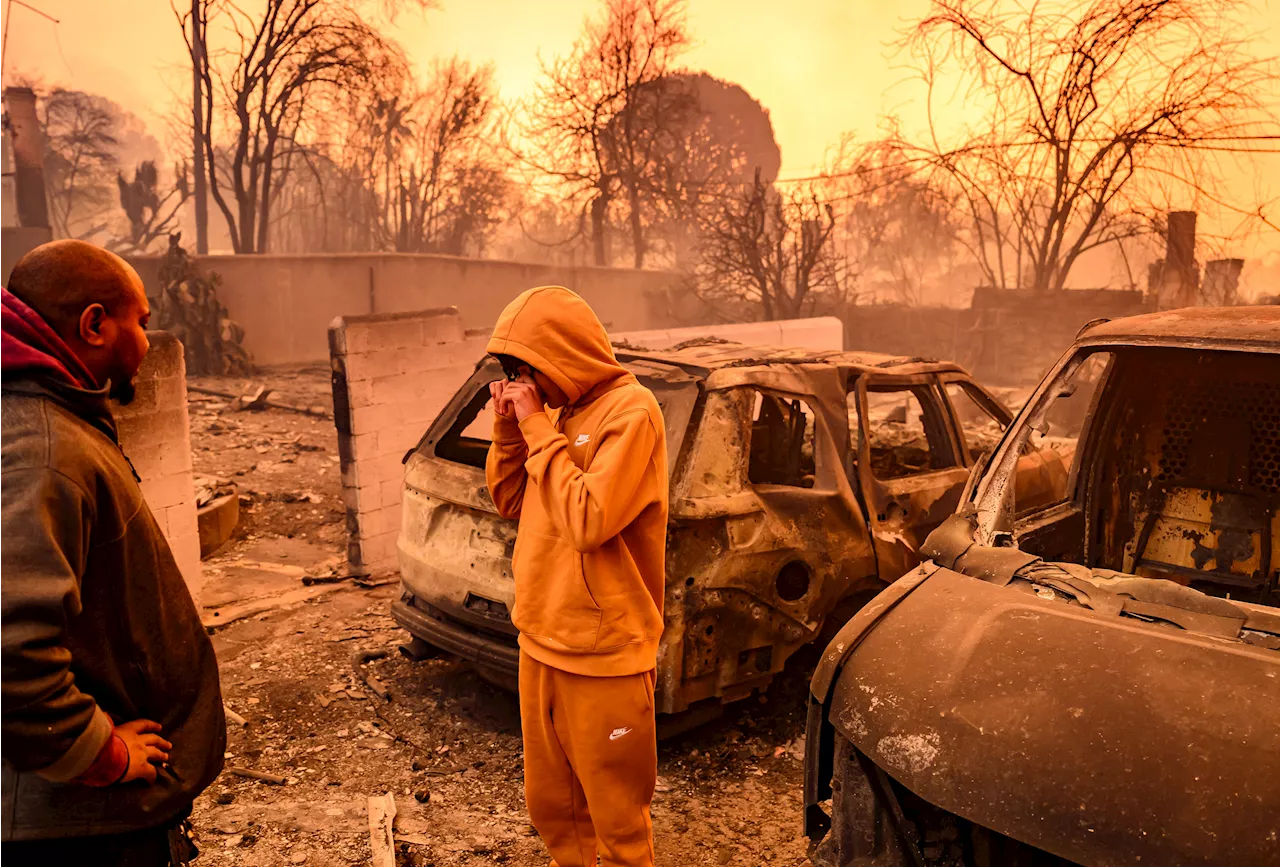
(1084,111)
(151,216)
(544,229)
(81,158)
(292,61)
(419,170)
(588,131)
(895,230)
(713,138)
(445,180)
(771,249)
(325,206)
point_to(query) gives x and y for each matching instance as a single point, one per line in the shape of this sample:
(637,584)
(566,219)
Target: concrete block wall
(156,435)
(392,374)
(1017,336)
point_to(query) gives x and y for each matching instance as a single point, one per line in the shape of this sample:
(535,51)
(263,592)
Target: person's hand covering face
(523,397)
(501,404)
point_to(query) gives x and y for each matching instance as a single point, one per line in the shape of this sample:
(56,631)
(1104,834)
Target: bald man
(112,716)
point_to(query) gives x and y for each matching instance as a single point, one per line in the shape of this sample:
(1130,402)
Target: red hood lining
(29,347)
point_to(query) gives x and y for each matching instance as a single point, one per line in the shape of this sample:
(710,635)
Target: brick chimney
(1174,281)
(27,147)
(1180,257)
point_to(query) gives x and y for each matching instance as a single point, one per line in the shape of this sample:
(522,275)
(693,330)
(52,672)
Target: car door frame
(985,400)
(892,503)
(818,386)
(766,527)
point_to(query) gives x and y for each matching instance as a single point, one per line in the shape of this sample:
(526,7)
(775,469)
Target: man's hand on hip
(146,749)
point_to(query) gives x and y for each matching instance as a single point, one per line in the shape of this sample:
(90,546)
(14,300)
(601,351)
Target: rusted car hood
(1016,707)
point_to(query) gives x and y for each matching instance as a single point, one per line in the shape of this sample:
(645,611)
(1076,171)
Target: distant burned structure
(1176,280)
(25,207)
(1011,336)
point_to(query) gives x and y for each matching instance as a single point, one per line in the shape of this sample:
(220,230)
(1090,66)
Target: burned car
(796,481)
(1091,680)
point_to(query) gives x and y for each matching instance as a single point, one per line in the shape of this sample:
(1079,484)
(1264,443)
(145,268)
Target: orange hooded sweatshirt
(589,485)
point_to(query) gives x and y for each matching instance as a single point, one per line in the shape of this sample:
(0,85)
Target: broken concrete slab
(263,567)
(217,521)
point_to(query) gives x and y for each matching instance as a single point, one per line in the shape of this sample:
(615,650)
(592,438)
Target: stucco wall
(286,303)
(1006,338)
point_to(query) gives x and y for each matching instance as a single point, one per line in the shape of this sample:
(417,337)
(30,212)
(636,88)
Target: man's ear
(91,322)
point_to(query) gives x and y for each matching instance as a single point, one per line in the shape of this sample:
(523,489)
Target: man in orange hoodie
(579,455)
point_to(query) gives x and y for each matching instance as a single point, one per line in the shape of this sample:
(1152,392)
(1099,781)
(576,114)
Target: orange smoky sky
(823,68)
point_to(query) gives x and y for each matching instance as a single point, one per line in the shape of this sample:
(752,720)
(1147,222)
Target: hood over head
(34,360)
(552,329)
(32,349)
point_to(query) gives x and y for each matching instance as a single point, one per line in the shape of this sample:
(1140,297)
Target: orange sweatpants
(590,764)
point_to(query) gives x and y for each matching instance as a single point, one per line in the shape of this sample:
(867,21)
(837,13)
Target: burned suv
(1093,679)
(796,481)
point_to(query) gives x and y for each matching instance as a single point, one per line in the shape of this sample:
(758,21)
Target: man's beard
(122,391)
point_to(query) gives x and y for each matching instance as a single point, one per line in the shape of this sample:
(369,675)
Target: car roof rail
(1092,323)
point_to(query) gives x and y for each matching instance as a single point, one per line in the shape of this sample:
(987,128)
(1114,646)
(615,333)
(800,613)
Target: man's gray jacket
(96,626)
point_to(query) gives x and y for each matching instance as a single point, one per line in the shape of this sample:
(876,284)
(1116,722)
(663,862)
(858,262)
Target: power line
(1268,137)
(8,14)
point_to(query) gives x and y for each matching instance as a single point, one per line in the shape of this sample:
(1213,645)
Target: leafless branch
(1080,109)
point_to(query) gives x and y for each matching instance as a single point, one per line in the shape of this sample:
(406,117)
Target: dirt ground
(446,745)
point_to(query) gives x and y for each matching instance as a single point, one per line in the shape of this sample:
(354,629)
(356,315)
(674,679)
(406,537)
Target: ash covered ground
(447,744)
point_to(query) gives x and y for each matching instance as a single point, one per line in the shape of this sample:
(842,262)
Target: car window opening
(1049,455)
(907,432)
(1187,457)
(979,428)
(468,439)
(782,433)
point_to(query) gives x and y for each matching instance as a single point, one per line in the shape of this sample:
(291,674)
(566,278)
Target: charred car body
(796,480)
(1094,680)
